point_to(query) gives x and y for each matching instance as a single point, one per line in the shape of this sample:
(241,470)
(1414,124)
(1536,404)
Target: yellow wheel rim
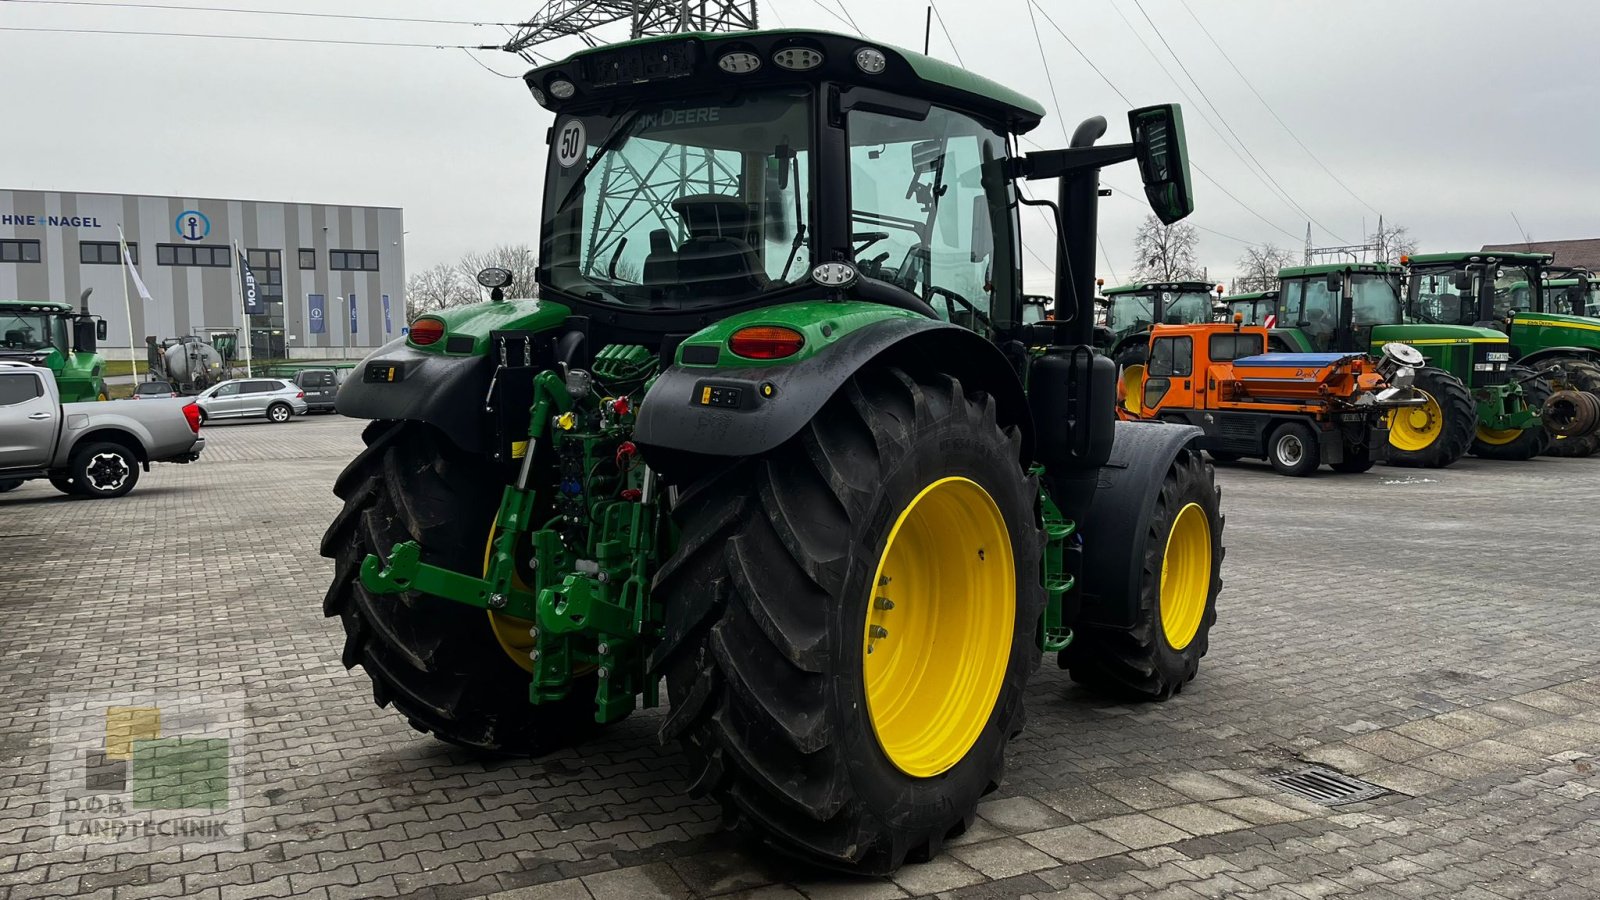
(1133,389)
(514,634)
(1185,576)
(1416,427)
(1498,436)
(937,636)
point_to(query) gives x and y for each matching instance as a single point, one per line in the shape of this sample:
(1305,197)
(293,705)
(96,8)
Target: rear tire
(279,413)
(1355,461)
(767,598)
(1144,662)
(1577,375)
(1529,442)
(1457,418)
(104,471)
(63,482)
(1292,449)
(10,485)
(437,661)
(1223,456)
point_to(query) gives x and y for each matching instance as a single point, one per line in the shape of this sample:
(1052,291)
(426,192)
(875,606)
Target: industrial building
(331,279)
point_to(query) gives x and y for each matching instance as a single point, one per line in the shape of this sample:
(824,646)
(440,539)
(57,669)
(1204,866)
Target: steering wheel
(977,313)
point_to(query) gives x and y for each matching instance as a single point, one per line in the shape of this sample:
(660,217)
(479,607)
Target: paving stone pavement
(1427,631)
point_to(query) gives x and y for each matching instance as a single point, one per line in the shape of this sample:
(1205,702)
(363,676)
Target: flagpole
(244,309)
(127,307)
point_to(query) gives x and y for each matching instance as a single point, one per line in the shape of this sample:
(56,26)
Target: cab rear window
(19,387)
(1229,347)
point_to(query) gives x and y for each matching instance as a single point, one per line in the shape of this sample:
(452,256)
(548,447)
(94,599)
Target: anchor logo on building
(192,225)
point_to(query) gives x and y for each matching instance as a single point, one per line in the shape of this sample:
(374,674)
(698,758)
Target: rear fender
(749,411)
(1112,507)
(1556,354)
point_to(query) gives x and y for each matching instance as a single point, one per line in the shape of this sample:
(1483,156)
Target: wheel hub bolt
(878,631)
(883,603)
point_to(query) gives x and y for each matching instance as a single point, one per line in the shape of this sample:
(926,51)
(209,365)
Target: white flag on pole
(127,260)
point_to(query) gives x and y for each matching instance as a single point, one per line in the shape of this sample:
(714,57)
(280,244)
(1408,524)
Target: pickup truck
(86,449)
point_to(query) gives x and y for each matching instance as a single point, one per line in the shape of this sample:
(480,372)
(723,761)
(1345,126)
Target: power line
(829,10)
(249,37)
(487,68)
(1226,124)
(846,10)
(1084,56)
(1274,112)
(254,12)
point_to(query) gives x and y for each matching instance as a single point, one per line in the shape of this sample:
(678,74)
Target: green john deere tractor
(1253,307)
(36,331)
(777,432)
(1132,308)
(1478,401)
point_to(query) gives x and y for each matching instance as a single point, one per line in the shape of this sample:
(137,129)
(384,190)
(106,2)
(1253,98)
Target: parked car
(243,398)
(321,387)
(151,390)
(90,449)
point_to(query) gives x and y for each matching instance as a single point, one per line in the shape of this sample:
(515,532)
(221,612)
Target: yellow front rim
(1416,427)
(1133,389)
(937,638)
(1498,436)
(1185,576)
(514,635)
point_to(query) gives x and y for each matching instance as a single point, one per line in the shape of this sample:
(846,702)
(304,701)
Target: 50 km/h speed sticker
(570,143)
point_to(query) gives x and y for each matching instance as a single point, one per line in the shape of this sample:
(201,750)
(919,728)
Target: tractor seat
(717,257)
(16,338)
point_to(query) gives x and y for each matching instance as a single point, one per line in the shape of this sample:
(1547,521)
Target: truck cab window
(19,387)
(1172,357)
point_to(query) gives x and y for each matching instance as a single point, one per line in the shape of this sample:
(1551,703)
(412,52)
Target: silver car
(273,398)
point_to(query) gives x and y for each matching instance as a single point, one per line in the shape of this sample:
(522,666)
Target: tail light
(426,330)
(766,342)
(300,395)
(191,412)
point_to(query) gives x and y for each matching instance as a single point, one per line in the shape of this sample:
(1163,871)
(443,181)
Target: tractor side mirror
(1463,281)
(100,329)
(926,156)
(1163,156)
(1335,282)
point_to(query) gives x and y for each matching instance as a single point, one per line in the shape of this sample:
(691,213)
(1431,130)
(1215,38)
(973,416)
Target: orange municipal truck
(1298,411)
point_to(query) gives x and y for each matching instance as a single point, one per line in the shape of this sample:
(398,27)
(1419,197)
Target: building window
(206,255)
(353,260)
(268,266)
(105,253)
(22,251)
(308,258)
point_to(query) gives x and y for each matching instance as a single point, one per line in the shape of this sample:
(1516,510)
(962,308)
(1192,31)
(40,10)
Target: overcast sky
(1447,116)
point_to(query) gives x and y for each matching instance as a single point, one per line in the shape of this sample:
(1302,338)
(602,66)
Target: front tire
(1438,433)
(10,485)
(792,565)
(1292,449)
(1517,445)
(436,661)
(104,471)
(1181,576)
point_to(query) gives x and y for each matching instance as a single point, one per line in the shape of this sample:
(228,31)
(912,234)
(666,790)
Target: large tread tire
(1460,423)
(766,600)
(1139,663)
(436,661)
(1356,460)
(1532,441)
(1577,375)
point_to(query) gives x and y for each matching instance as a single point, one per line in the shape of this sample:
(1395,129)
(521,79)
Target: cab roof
(1504,256)
(687,63)
(1150,287)
(1330,268)
(44,306)
(1249,295)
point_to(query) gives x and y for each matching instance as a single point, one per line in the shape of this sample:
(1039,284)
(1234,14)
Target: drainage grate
(1326,786)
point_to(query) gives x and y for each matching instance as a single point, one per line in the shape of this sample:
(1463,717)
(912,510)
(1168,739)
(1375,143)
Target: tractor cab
(1131,310)
(57,337)
(1486,290)
(1578,295)
(1249,308)
(1037,308)
(1335,307)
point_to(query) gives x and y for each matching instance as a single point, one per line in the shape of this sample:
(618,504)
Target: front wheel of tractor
(850,623)
(438,662)
(1438,432)
(1176,598)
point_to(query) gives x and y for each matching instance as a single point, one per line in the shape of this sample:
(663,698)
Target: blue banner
(318,313)
(388,328)
(352,313)
(247,286)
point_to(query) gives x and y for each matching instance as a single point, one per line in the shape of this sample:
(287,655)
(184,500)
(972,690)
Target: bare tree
(440,287)
(1258,267)
(1393,242)
(1165,252)
(517,258)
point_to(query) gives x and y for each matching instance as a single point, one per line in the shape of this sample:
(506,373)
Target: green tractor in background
(1252,307)
(37,332)
(1551,321)
(778,433)
(1478,400)
(1132,308)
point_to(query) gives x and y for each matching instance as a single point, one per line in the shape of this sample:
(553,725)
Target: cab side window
(19,387)
(1229,347)
(1172,357)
